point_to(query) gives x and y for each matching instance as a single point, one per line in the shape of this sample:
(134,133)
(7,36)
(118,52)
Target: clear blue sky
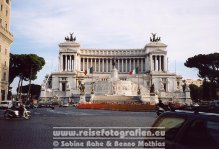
(188,27)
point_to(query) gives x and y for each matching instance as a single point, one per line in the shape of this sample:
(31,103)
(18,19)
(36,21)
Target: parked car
(64,104)
(45,103)
(189,129)
(6,104)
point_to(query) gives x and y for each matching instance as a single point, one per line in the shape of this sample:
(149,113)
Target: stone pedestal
(82,99)
(162,93)
(188,102)
(92,98)
(114,75)
(153,99)
(145,99)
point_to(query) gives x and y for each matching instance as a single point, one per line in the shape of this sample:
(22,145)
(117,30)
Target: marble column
(122,65)
(73,62)
(95,64)
(103,63)
(76,62)
(155,61)
(151,63)
(65,62)
(134,63)
(61,63)
(165,63)
(87,66)
(118,65)
(70,62)
(126,66)
(130,66)
(107,65)
(83,64)
(60,86)
(160,64)
(111,63)
(99,65)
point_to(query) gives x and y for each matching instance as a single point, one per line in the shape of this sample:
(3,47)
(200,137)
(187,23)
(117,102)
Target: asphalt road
(37,133)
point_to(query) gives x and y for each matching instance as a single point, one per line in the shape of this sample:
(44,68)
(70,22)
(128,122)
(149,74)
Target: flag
(134,71)
(89,71)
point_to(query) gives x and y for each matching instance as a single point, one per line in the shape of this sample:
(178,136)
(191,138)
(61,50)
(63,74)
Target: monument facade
(113,72)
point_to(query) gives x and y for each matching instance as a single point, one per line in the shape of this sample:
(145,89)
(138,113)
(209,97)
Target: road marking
(69,112)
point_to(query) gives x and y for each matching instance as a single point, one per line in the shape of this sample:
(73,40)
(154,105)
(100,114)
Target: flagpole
(139,91)
(92,86)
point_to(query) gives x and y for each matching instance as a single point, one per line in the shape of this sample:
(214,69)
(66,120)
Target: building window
(6,26)
(6,51)
(4,76)
(3,94)
(6,13)
(63,87)
(1,7)
(0,22)
(7,1)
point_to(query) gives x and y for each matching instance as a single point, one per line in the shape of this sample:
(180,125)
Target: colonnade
(104,65)
(68,63)
(158,63)
(124,65)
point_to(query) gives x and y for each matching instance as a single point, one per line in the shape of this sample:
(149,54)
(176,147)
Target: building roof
(156,44)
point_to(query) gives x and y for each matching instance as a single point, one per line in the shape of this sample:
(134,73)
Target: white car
(6,104)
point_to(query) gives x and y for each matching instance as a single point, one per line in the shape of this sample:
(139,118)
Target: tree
(14,67)
(24,66)
(196,92)
(33,65)
(208,69)
(207,65)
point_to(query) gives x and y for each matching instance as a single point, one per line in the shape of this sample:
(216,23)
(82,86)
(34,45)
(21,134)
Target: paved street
(36,133)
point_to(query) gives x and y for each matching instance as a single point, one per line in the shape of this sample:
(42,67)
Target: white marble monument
(110,65)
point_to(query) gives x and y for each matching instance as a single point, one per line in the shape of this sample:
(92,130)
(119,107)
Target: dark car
(45,104)
(189,129)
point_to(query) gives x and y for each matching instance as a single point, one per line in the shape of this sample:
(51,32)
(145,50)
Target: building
(151,62)
(197,82)
(6,38)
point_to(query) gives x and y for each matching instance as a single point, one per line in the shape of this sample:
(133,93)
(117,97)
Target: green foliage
(14,67)
(208,69)
(195,92)
(207,65)
(25,66)
(209,90)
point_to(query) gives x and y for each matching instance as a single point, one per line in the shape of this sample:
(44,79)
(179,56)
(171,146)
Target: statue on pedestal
(152,88)
(81,88)
(71,38)
(92,87)
(139,91)
(113,63)
(154,38)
